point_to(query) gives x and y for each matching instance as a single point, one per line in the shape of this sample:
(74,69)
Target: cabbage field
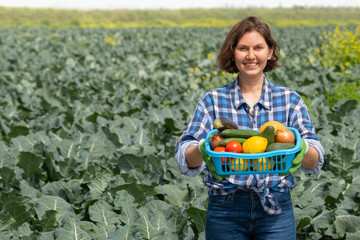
(90,117)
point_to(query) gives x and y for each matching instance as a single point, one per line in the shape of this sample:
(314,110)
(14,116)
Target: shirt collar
(265,99)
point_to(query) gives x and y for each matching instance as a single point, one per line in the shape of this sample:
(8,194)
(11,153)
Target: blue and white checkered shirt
(276,103)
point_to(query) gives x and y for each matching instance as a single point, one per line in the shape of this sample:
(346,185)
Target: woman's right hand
(208,161)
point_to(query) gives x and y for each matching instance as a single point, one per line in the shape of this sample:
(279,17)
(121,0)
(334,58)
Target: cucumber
(238,133)
(223,142)
(279,146)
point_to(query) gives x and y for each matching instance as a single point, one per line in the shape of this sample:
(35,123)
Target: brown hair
(225,57)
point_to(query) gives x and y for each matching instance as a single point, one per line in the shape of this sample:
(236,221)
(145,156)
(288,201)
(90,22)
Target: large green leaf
(18,131)
(322,220)
(199,218)
(198,193)
(21,144)
(126,203)
(123,232)
(24,231)
(139,191)
(353,235)
(102,213)
(352,189)
(343,223)
(30,163)
(27,190)
(173,194)
(67,148)
(16,208)
(8,178)
(46,203)
(98,185)
(67,167)
(6,157)
(130,161)
(6,221)
(103,232)
(70,229)
(46,236)
(152,222)
(342,158)
(50,220)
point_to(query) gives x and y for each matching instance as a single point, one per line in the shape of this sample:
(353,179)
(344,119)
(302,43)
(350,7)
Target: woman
(249,206)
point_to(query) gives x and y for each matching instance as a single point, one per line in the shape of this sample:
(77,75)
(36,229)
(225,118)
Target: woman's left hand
(298,158)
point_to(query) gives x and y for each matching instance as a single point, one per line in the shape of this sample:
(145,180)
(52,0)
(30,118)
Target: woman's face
(251,54)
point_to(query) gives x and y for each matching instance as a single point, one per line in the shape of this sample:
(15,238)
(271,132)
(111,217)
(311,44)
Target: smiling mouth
(250,64)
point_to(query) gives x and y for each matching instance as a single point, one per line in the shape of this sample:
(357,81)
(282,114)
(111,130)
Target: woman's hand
(306,157)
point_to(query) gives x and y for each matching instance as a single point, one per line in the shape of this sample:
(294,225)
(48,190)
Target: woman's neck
(251,85)
(251,90)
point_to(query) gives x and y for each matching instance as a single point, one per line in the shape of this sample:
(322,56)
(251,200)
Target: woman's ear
(271,51)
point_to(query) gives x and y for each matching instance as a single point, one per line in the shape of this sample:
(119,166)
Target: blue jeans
(240,216)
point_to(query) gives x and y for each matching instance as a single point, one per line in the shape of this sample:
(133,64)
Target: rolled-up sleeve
(301,120)
(196,129)
(181,161)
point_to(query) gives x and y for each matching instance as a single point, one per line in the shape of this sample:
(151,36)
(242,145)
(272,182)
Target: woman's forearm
(193,156)
(311,158)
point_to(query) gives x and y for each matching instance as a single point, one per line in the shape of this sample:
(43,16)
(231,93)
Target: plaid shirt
(276,103)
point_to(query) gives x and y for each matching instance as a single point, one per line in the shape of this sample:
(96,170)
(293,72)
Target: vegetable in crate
(239,164)
(284,136)
(278,146)
(215,139)
(255,145)
(233,146)
(226,140)
(221,149)
(277,125)
(269,134)
(221,123)
(238,133)
(262,164)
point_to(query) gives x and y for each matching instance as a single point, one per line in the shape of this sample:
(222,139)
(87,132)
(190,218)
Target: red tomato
(233,146)
(221,149)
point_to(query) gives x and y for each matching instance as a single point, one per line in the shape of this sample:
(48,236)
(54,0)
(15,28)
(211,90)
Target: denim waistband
(268,201)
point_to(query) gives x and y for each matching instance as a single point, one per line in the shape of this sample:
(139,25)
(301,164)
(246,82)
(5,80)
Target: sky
(172,4)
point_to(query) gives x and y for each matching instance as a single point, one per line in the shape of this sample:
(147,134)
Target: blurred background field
(92,103)
(225,17)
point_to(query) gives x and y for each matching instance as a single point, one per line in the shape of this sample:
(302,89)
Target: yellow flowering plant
(341,48)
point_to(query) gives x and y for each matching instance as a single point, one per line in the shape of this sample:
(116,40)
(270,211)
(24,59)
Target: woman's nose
(250,54)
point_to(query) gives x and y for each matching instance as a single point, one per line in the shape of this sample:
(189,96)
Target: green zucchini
(223,142)
(269,134)
(238,133)
(279,146)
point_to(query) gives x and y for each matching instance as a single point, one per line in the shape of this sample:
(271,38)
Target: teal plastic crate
(279,161)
